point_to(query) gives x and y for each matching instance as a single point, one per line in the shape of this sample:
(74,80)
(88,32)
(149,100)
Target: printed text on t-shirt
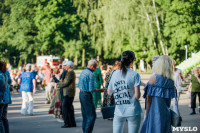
(121,93)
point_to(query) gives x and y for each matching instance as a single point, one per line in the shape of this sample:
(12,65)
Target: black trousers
(68,111)
(4,125)
(193,99)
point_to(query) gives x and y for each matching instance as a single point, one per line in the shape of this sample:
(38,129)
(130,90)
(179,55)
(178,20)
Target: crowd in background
(60,88)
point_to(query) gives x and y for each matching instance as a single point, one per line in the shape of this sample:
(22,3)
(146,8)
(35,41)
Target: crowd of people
(119,84)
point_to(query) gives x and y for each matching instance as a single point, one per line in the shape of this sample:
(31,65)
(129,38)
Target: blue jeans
(133,124)
(88,111)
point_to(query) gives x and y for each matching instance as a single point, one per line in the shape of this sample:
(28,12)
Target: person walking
(4,98)
(125,86)
(86,85)
(69,90)
(159,91)
(49,87)
(99,82)
(27,88)
(195,89)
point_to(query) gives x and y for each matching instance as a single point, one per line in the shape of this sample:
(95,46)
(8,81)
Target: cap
(68,63)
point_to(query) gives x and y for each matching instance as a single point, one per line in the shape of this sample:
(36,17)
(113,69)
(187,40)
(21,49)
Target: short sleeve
(32,76)
(20,77)
(137,80)
(158,91)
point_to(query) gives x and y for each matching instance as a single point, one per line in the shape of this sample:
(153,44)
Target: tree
(182,27)
(60,36)
(18,29)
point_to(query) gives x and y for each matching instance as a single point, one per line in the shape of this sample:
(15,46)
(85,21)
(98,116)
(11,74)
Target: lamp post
(186,51)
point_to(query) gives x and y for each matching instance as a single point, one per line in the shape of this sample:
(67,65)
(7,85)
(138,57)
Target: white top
(177,80)
(124,93)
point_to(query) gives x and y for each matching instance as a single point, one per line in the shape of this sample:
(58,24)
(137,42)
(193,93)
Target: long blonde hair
(164,66)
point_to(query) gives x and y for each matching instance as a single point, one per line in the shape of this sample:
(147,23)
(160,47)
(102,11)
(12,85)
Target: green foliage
(104,28)
(57,24)
(18,30)
(20,63)
(182,27)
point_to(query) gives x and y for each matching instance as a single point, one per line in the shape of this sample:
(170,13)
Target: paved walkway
(41,122)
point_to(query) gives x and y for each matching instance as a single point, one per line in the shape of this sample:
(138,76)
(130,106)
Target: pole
(186,51)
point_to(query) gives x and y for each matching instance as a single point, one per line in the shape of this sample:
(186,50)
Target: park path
(41,122)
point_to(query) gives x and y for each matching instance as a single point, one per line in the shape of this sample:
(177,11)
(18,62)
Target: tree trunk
(83,58)
(148,67)
(75,61)
(166,50)
(158,28)
(98,58)
(150,25)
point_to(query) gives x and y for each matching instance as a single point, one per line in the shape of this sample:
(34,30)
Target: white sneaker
(60,120)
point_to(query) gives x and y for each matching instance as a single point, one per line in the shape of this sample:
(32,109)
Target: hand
(57,86)
(34,90)
(143,84)
(196,75)
(180,74)
(189,89)
(42,82)
(102,90)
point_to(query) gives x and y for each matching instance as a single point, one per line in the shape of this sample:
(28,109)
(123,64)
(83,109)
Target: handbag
(188,94)
(175,119)
(108,112)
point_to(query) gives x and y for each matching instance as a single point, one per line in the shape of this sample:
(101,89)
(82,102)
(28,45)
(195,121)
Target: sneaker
(60,120)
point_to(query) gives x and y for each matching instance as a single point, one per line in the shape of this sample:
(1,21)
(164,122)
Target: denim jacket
(2,86)
(7,95)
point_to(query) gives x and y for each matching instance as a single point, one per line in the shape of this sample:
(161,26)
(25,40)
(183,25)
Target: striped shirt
(86,81)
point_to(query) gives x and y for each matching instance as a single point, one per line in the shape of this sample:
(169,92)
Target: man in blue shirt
(86,85)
